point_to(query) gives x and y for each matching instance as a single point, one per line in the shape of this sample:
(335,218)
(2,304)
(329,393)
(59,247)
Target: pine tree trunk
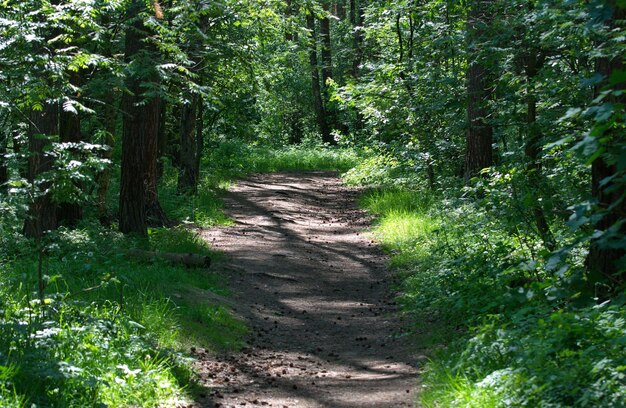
(479,139)
(155,216)
(607,188)
(138,185)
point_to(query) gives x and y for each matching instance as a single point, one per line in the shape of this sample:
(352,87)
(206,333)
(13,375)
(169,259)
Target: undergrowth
(111,328)
(506,323)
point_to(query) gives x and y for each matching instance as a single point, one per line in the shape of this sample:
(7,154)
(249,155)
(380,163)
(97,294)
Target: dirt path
(315,291)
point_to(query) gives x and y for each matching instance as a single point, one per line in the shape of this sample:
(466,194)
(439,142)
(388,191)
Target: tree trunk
(327,70)
(138,193)
(320,112)
(188,146)
(289,15)
(532,150)
(607,188)
(479,139)
(357,18)
(155,216)
(41,215)
(340,9)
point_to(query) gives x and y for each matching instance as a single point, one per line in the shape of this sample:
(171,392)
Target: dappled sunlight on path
(315,291)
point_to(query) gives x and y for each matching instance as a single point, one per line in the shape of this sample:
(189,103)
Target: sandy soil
(315,291)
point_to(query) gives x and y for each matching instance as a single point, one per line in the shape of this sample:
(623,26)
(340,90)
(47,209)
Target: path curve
(315,291)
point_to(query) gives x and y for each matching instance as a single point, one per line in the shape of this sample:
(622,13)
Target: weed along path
(315,292)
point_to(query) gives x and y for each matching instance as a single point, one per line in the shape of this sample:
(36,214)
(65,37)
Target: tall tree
(327,69)
(138,186)
(320,111)
(357,20)
(44,124)
(479,138)
(606,254)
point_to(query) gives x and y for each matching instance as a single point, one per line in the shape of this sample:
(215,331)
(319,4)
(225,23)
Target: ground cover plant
(106,328)
(503,326)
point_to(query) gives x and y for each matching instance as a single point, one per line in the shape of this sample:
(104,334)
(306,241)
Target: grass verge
(505,324)
(111,329)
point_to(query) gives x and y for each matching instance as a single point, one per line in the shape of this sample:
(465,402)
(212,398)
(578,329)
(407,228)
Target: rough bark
(41,216)
(320,112)
(479,138)
(138,194)
(608,191)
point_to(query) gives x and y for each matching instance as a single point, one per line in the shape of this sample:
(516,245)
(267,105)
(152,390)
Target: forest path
(315,291)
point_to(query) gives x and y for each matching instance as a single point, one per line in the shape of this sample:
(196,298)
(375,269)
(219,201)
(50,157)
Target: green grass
(299,158)
(113,326)
(403,222)
(503,324)
(452,390)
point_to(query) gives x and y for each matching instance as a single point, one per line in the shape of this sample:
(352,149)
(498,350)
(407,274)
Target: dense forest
(487,136)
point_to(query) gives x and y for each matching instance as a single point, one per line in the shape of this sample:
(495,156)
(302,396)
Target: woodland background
(490,135)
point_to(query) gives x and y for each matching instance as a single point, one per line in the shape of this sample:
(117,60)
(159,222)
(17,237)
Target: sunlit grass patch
(401,230)
(404,224)
(299,158)
(451,390)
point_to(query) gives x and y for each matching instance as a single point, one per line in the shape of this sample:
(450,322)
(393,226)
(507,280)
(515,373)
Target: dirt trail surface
(315,291)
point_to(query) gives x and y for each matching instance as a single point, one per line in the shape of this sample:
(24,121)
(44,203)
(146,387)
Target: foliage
(518,274)
(516,325)
(110,327)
